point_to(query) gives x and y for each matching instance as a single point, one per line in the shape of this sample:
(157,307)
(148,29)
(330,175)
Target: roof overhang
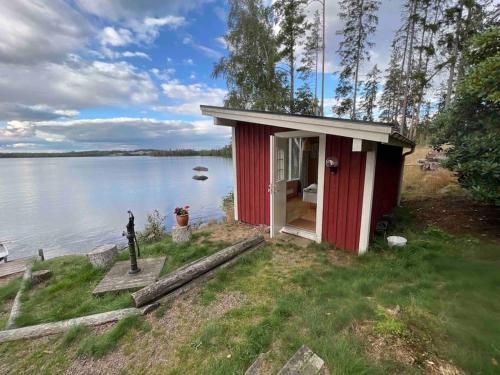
(376,132)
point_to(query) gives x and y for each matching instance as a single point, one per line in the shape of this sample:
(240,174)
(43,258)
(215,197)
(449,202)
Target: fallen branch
(193,270)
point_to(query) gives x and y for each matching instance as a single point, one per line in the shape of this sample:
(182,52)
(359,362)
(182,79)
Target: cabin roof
(365,130)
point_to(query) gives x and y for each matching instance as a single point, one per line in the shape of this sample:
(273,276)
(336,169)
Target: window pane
(295,158)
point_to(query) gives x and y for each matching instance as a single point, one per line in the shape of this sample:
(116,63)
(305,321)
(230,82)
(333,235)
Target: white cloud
(207,51)
(221,41)
(109,133)
(115,37)
(136,54)
(33,32)
(188,61)
(189,97)
(76,84)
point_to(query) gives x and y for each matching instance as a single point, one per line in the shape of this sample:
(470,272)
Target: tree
(471,123)
(370,91)
(292,28)
(390,101)
(250,67)
(360,21)
(310,58)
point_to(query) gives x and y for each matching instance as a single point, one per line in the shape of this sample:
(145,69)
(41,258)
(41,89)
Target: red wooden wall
(343,196)
(387,178)
(252,172)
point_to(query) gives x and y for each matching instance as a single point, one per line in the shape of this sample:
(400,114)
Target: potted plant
(182,216)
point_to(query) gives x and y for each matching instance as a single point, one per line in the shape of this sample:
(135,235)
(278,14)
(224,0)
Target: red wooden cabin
(321,178)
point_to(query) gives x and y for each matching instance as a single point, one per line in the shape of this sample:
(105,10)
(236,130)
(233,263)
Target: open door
(277,186)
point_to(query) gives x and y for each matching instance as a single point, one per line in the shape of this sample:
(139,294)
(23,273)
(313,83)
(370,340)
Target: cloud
(33,32)
(77,84)
(119,10)
(207,51)
(16,111)
(111,133)
(115,37)
(188,98)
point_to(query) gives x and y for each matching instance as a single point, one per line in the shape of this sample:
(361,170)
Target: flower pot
(182,220)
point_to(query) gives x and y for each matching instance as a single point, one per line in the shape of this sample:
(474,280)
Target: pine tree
(370,91)
(390,101)
(250,67)
(360,21)
(293,26)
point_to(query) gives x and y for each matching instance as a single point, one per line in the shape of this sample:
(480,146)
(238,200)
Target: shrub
(154,229)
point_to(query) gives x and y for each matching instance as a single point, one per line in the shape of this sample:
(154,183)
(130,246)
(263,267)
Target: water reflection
(74,204)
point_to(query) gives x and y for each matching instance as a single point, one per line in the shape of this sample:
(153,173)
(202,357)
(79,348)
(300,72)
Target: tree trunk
(409,67)
(358,57)
(453,62)
(189,272)
(323,64)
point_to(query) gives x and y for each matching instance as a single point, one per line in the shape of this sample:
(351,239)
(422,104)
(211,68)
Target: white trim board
(235,174)
(321,187)
(366,211)
(350,129)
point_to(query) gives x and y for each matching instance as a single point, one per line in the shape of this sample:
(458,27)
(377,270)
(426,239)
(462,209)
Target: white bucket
(396,241)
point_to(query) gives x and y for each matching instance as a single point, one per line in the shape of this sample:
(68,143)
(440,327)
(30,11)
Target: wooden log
(16,306)
(305,362)
(185,274)
(62,326)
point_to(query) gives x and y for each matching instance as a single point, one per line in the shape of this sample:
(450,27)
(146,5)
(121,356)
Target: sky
(122,74)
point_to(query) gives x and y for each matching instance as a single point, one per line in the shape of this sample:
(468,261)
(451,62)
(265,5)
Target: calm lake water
(74,204)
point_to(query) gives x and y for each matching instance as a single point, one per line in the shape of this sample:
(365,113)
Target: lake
(74,204)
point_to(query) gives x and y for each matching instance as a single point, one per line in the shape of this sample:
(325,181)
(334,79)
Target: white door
(277,187)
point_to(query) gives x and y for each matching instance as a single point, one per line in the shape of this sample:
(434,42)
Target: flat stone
(200,168)
(303,362)
(118,278)
(103,256)
(199,178)
(38,277)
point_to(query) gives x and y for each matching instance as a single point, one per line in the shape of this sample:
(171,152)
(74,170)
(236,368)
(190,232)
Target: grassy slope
(69,293)
(7,293)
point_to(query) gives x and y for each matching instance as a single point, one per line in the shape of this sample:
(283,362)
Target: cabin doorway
(297,183)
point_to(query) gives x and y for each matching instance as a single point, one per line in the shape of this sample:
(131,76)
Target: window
(280,170)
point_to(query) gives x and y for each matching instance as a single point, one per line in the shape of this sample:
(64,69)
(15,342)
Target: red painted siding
(343,196)
(252,172)
(387,177)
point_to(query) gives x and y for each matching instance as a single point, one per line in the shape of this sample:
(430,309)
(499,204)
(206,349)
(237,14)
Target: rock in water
(200,178)
(200,169)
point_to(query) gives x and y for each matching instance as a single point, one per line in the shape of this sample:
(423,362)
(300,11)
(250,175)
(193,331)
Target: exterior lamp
(333,164)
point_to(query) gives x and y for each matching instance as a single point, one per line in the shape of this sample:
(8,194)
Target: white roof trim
(351,129)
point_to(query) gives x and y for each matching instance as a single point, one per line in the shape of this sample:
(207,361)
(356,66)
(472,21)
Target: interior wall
(343,194)
(387,178)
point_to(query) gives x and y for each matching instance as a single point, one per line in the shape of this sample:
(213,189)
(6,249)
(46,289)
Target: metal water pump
(132,243)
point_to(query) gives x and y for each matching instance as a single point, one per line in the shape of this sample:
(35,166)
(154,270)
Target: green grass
(446,286)
(7,293)
(68,294)
(99,346)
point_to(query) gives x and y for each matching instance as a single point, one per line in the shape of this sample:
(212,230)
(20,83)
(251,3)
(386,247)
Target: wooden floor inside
(301,214)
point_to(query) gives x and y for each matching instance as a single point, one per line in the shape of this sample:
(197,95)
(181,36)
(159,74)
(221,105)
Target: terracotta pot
(182,220)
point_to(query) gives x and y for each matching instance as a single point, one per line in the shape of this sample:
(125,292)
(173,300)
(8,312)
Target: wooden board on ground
(118,279)
(13,267)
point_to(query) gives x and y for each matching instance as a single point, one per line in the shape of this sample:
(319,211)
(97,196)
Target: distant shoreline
(223,152)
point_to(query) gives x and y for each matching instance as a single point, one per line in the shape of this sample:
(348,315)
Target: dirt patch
(404,349)
(457,215)
(6,279)
(157,350)
(234,232)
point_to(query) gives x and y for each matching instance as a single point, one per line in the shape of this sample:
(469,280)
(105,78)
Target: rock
(200,178)
(103,256)
(40,276)
(304,361)
(182,234)
(200,169)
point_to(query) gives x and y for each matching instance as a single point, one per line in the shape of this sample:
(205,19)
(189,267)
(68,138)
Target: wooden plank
(13,267)
(46,329)
(303,362)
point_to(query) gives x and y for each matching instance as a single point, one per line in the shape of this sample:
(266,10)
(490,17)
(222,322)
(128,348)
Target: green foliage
(154,230)
(250,67)
(99,346)
(75,334)
(472,124)
(387,324)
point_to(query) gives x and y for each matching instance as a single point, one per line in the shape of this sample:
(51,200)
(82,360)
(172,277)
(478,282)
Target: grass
(446,287)
(7,293)
(68,294)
